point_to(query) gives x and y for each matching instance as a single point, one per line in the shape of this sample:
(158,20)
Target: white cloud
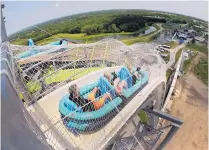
(57,4)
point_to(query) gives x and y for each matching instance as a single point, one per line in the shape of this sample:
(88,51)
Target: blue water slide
(60,42)
(27,54)
(91,121)
(33,52)
(30,42)
(55,43)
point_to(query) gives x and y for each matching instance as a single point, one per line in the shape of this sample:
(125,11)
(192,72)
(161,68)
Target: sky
(22,14)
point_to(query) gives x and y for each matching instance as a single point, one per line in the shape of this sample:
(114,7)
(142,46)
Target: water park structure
(42,75)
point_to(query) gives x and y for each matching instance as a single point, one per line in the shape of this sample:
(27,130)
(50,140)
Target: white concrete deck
(99,139)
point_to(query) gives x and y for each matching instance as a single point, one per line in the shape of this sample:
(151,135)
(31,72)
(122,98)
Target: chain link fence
(47,72)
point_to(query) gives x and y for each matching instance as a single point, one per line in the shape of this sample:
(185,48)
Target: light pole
(4,37)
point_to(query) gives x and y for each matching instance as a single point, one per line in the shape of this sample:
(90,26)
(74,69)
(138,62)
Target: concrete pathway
(173,53)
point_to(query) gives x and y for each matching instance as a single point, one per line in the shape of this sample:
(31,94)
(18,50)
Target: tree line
(113,21)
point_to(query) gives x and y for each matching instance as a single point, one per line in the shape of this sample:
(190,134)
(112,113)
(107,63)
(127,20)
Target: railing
(40,78)
(92,140)
(86,141)
(20,116)
(79,58)
(52,127)
(173,83)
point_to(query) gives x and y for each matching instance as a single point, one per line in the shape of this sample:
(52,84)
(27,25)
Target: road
(161,28)
(173,53)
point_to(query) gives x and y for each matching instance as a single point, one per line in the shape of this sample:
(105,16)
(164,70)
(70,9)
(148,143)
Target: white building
(184,36)
(198,26)
(199,39)
(163,55)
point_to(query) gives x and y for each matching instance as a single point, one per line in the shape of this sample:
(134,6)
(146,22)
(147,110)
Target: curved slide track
(53,47)
(100,138)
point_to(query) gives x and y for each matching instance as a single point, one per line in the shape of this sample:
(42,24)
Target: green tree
(114,28)
(75,30)
(92,29)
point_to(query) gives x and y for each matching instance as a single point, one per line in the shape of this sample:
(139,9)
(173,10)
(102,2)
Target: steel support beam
(168,137)
(175,125)
(164,116)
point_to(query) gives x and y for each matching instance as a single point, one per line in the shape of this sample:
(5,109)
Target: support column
(169,136)
(4,37)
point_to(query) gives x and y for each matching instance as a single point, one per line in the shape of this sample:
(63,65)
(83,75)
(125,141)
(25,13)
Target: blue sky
(22,14)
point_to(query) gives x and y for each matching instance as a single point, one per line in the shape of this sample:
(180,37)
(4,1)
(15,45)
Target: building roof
(163,55)
(190,31)
(182,35)
(199,39)
(198,26)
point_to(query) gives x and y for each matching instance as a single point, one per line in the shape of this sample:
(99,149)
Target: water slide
(30,42)
(85,122)
(114,122)
(34,51)
(60,42)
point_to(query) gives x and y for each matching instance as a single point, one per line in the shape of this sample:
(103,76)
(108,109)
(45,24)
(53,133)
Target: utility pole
(4,37)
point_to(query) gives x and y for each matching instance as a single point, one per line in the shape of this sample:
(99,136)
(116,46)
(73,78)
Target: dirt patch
(196,95)
(192,107)
(196,61)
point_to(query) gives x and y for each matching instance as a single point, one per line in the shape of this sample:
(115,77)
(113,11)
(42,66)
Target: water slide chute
(33,51)
(85,122)
(30,42)
(29,52)
(60,42)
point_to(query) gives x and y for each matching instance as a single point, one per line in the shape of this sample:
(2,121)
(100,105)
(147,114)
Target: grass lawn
(201,70)
(143,117)
(20,42)
(135,40)
(178,54)
(60,76)
(63,75)
(172,44)
(188,62)
(168,73)
(200,48)
(80,36)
